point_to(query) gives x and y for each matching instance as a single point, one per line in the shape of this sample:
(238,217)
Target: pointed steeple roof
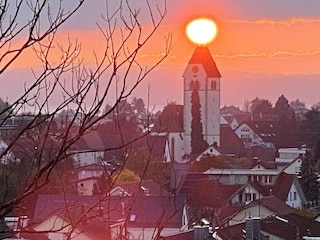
(201,55)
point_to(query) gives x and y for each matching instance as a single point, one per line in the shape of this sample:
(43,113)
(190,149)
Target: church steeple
(202,72)
(202,55)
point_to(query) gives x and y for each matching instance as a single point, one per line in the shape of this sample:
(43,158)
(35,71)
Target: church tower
(202,73)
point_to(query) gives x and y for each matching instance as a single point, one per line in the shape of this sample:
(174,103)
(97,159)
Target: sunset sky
(263,49)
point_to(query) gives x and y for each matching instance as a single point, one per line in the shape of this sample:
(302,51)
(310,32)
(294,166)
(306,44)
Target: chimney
(201,232)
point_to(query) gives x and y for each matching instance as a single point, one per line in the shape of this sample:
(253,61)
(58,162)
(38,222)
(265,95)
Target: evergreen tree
(261,110)
(310,128)
(309,178)
(198,144)
(285,124)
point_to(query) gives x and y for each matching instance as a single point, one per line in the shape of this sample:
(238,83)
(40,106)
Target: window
(294,196)
(213,85)
(250,197)
(254,196)
(267,179)
(290,197)
(245,129)
(132,218)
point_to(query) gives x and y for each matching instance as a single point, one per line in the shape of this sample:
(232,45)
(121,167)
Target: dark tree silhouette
(310,127)
(309,178)
(285,123)
(33,25)
(261,109)
(198,144)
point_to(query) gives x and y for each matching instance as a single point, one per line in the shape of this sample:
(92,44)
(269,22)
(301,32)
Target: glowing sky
(263,49)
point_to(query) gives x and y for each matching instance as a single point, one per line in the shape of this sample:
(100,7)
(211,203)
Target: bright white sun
(201,31)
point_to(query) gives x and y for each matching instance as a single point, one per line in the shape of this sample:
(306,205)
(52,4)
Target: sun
(201,31)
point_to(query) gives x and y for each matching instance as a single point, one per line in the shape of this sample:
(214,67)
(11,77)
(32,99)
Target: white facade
(83,158)
(242,176)
(175,147)
(294,198)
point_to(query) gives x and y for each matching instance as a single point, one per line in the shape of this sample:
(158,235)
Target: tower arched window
(191,84)
(213,85)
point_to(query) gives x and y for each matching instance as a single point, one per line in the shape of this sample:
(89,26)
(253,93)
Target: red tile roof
(274,204)
(201,55)
(171,119)
(230,143)
(282,185)
(289,226)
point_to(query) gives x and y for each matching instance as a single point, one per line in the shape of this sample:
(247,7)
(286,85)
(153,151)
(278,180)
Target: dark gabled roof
(240,118)
(167,210)
(265,129)
(170,120)
(90,141)
(186,235)
(230,143)
(201,55)
(284,226)
(230,111)
(263,189)
(274,204)
(282,185)
(290,225)
(188,180)
(264,164)
(234,232)
(219,193)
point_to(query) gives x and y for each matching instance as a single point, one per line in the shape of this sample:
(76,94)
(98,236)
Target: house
(89,149)
(288,226)
(124,214)
(170,125)
(288,189)
(257,133)
(87,176)
(230,143)
(262,208)
(6,155)
(234,116)
(69,224)
(285,186)
(242,176)
(213,150)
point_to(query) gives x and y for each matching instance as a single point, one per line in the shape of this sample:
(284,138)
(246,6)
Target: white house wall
(294,167)
(254,211)
(294,199)
(176,147)
(88,158)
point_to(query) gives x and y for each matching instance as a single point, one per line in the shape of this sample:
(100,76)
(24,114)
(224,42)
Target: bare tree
(85,89)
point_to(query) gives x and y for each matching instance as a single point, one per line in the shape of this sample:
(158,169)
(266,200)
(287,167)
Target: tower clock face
(195,69)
